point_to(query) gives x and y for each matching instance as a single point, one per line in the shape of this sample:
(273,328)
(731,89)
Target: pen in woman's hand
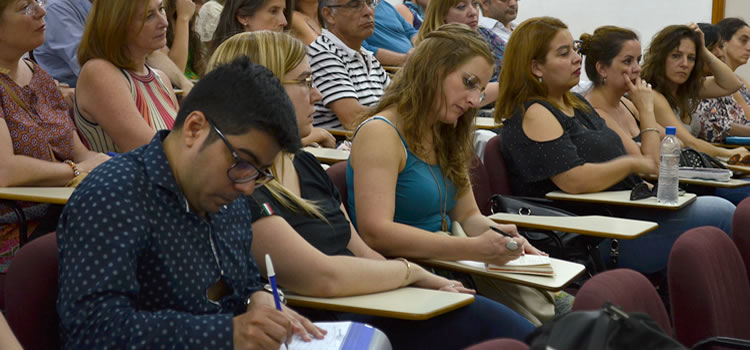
(511,245)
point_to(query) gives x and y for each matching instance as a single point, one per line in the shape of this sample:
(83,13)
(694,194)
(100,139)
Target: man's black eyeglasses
(243,171)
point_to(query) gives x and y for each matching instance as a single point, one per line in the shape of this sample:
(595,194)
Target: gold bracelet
(649,129)
(73,166)
(408,271)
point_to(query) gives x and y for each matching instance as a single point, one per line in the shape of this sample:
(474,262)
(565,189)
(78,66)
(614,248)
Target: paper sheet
(333,340)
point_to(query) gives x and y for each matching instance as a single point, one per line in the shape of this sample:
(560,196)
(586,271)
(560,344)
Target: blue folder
(737,140)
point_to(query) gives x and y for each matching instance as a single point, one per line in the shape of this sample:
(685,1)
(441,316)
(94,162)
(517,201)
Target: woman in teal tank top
(408,170)
(407,175)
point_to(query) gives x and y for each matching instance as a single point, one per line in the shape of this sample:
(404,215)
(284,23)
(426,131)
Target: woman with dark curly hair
(674,67)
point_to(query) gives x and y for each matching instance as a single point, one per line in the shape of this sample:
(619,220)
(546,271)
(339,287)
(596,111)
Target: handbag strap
(13,96)
(17,100)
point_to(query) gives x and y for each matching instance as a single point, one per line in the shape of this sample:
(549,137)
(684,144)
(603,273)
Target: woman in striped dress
(120,101)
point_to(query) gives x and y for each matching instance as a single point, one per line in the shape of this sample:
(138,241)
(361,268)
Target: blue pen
(272,279)
(111,154)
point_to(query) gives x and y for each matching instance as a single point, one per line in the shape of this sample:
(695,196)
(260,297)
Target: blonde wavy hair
(280,53)
(440,53)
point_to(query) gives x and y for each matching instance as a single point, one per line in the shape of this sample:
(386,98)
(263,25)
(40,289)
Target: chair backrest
(708,288)
(337,173)
(626,288)
(497,170)
(499,344)
(741,232)
(480,185)
(31,292)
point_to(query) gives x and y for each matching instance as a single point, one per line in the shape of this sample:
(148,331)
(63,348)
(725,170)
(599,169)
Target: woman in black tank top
(555,139)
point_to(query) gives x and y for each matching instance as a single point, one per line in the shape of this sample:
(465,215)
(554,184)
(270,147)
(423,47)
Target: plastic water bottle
(669,168)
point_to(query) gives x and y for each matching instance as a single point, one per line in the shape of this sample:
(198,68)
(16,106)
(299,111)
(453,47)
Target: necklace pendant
(444,224)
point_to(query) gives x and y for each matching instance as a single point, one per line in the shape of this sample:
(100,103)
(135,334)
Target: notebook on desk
(344,335)
(714,174)
(528,264)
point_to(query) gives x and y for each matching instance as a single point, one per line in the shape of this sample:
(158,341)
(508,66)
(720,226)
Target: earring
(604,81)
(539,79)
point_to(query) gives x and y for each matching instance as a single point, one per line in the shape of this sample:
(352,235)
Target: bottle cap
(671,130)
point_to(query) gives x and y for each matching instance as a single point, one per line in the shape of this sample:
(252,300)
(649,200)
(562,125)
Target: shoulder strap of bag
(17,100)
(15,97)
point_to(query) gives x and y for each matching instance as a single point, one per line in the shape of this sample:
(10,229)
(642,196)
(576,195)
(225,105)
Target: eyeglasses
(34,7)
(472,82)
(243,171)
(357,4)
(307,82)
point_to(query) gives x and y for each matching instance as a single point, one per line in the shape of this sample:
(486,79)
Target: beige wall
(739,8)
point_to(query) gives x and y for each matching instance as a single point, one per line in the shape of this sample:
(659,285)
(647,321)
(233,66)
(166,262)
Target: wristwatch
(267,288)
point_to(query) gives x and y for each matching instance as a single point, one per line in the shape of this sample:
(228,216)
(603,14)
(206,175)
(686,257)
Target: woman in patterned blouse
(736,35)
(719,117)
(36,132)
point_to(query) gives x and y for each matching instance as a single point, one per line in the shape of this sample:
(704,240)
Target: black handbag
(609,328)
(558,244)
(694,159)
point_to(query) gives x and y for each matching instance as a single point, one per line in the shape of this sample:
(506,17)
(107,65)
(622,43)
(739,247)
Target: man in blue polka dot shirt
(154,245)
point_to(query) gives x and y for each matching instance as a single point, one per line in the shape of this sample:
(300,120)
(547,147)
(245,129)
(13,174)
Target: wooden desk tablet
(54,195)
(392,69)
(621,198)
(590,225)
(738,168)
(565,273)
(732,183)
(486,123)
(407,303)
(724,145)
(328,155)
(340,131)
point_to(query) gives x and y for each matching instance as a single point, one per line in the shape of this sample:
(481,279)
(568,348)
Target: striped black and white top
(341,72)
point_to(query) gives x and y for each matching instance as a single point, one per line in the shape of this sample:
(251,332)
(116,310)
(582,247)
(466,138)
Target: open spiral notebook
(526,264)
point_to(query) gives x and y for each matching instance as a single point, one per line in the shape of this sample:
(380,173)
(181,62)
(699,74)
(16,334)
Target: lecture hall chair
(708,288)
(497,170)
(31,292)
(480,185)
(741,232)
(337,173)
(626,288)
(499,344)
